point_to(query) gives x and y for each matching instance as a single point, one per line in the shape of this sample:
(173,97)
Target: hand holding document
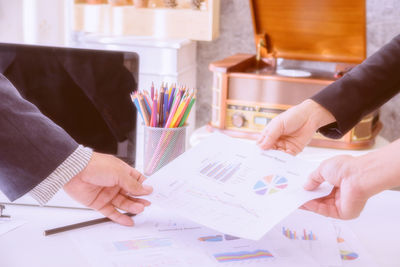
(234,187)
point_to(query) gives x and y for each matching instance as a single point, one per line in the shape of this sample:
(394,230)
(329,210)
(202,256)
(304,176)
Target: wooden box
(250,90)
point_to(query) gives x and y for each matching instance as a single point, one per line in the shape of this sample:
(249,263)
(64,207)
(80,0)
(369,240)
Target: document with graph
(234,187)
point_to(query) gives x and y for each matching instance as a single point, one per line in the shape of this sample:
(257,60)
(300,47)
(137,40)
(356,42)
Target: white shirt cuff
(73,165)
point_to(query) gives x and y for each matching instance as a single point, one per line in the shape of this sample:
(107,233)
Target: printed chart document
(314,234)
(160,239)
(234,187)
(351,251)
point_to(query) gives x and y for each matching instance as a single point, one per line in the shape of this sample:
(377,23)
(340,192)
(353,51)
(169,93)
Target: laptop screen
(84,91)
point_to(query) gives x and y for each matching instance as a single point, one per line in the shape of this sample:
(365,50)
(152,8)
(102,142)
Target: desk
(377,229)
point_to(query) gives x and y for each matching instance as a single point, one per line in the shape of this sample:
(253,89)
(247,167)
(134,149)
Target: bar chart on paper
(220,170)
(305,235)
(217,238)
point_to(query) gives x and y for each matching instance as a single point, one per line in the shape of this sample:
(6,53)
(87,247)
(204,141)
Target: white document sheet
(7,225)
(160,239)
(233,186)
(314,234)
(352,253)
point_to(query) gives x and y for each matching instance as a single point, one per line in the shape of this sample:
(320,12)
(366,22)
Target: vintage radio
(250,90)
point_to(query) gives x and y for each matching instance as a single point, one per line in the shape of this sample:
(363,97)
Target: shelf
(156,22)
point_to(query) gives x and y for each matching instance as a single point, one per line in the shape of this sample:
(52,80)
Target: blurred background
(229,29)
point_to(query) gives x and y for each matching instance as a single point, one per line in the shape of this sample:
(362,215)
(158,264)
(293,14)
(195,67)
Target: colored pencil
(136,102)
(168,108)
(171,98)
(165,109)
(143,109)
(187,112)
(152,90)
(161,109)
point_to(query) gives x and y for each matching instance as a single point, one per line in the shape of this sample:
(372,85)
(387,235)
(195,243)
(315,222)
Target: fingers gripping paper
(234,187)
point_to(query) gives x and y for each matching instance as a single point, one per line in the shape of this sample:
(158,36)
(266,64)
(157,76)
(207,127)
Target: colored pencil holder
(161,146)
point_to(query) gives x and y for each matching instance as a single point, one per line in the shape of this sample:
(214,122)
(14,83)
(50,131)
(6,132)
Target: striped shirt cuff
(73,165)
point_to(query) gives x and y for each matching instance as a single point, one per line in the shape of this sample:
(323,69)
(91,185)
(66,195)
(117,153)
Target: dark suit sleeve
(31,145)
(362,90)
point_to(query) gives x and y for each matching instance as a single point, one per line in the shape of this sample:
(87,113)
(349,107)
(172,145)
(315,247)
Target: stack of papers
(226,203)
(161,239)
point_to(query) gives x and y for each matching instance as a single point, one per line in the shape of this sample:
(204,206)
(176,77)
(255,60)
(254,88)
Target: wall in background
(236,35)
(35,21)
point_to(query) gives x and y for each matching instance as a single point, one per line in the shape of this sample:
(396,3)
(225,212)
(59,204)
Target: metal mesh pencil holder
(161,146)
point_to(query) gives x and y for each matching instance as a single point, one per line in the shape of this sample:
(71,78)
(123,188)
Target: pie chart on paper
(270,184)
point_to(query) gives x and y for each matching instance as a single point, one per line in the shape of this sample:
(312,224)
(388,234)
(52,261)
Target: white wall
(35,21)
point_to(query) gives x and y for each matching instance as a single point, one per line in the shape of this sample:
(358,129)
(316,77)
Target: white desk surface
(377,229)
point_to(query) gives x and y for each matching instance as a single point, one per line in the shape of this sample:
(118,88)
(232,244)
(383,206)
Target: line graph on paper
(217,199)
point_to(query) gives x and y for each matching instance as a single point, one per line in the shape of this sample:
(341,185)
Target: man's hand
(292,130)
(347,198)
(355,179)
(108,184)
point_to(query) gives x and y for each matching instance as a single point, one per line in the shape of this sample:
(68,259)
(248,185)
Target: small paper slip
(314,234)
(233,186)
(352,252)
(6,225)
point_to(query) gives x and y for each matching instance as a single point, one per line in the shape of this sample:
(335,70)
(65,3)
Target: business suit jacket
(87,94)
(31,145)
(362,90)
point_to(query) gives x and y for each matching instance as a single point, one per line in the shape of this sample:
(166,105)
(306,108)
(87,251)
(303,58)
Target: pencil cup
(161,146)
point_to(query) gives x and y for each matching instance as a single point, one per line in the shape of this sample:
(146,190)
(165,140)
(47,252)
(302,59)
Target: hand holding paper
(233,186)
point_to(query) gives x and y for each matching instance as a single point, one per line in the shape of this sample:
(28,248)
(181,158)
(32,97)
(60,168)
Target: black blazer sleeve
(31,145)
(362,90)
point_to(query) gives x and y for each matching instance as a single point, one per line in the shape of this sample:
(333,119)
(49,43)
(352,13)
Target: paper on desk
(314,234)
(234,187)
(6,225)
(352,253)
(160,239)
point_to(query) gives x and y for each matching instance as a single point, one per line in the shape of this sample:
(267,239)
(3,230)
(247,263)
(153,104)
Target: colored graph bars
(142,243)
(289,234)
(218,238)
(308,236)
(221,171)
(348,255)
(215,238)
(293,235)
(242,255)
